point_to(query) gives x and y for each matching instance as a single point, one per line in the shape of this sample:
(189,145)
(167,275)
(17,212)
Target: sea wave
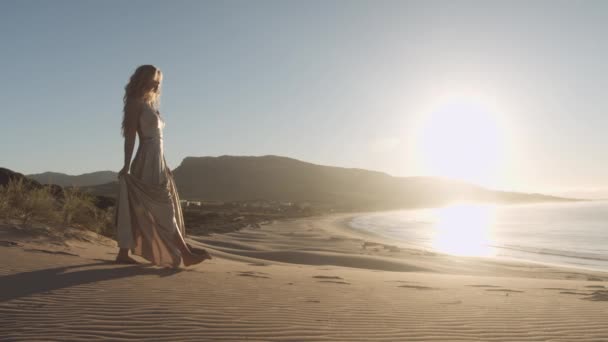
(553,252)
(531,233)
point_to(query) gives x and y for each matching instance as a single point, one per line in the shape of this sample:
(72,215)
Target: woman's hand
(123,171)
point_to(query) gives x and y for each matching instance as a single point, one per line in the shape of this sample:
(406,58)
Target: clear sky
(408,88)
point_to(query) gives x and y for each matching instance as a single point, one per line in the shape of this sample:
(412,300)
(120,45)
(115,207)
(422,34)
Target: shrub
(4,207)
(105,222)
(77,207)
(24,203)
(74,208)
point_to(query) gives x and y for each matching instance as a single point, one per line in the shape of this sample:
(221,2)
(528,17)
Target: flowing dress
(148,211)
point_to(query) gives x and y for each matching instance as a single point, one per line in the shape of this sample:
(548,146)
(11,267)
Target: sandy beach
(310,279)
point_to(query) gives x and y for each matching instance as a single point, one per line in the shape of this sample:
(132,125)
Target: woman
(149,218)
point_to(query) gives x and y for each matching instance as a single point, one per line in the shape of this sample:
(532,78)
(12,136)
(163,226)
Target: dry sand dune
(299,280)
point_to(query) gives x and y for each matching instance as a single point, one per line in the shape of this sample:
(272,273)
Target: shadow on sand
(27,283)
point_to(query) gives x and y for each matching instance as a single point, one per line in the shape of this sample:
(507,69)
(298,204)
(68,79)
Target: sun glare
(464,230)
(462,138)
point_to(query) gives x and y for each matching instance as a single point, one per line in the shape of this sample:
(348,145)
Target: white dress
(148,212)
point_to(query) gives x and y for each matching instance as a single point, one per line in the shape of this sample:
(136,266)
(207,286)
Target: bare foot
(199,251)
(202,252)
(125,259)
(193,259)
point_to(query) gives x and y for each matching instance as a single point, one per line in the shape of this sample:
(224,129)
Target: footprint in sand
(418,287)
(401,281)
(50,252)
(257,264)
(558,289)
(253,274)
(483,286)
(327,277)
(574,293)
(504,290)
(595,286)
(331,279)
(598,296)
(594,279)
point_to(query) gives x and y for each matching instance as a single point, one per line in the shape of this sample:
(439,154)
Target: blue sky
(345,83)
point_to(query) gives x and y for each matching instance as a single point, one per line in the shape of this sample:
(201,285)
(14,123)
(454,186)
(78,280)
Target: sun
(462,139)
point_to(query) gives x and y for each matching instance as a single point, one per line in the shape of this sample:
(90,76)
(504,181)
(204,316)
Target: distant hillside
(6,175)
(274,178)
(230,178)
(87,179)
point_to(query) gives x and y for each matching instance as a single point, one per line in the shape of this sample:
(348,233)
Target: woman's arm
(131,120)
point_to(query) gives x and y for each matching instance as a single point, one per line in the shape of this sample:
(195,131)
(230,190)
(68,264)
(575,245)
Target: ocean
(573,234)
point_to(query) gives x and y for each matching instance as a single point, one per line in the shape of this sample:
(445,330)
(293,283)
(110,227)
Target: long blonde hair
(137,90)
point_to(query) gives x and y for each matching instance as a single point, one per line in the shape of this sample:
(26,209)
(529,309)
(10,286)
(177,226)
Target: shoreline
(371,250)
(387,240)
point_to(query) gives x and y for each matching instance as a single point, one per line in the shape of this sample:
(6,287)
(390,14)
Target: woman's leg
(124,258)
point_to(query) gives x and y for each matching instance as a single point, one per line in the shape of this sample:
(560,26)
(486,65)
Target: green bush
(105,223)
(78,207)
(75,208)
(4,207)
(24,203)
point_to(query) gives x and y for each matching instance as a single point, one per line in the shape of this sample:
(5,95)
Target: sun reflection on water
(464,230)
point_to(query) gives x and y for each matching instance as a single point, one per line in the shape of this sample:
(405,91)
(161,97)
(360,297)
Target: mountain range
(276,178)
(87,179)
